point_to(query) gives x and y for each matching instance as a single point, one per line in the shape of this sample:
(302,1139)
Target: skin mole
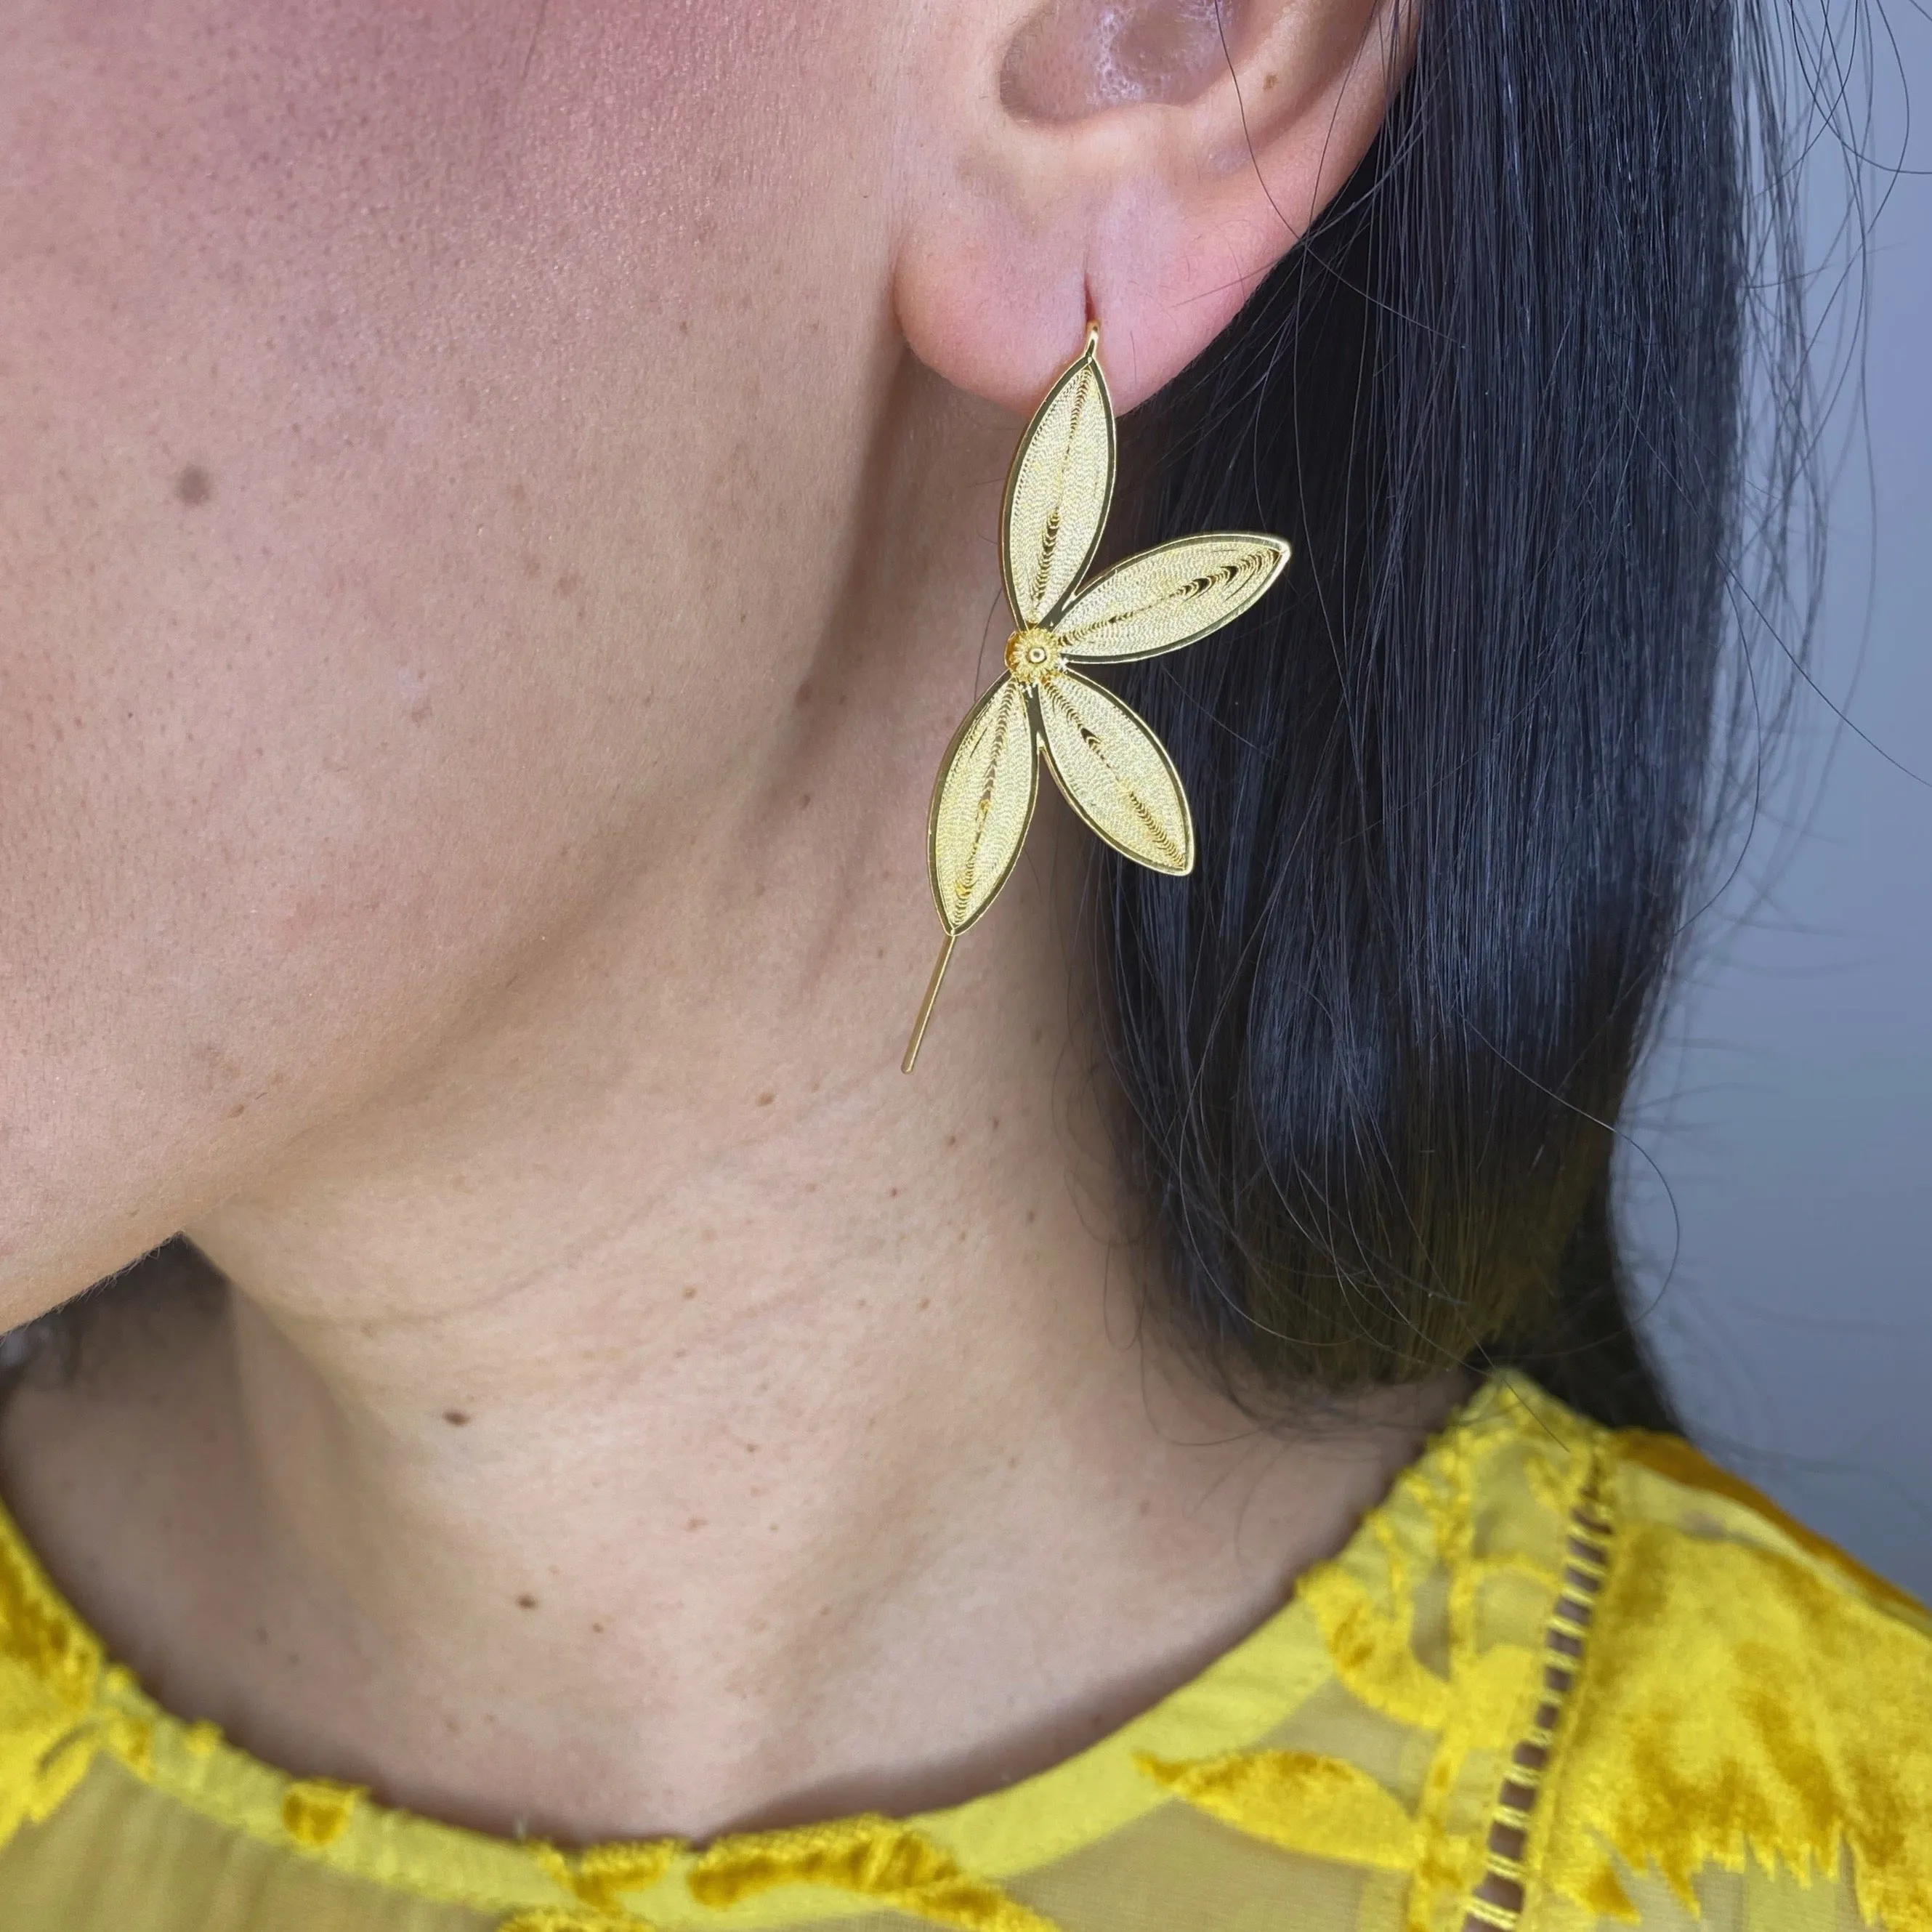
(194,486)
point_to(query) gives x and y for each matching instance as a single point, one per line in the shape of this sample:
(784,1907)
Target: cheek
(271,803)
(324,338)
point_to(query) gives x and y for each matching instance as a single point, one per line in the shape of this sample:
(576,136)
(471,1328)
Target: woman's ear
(1144,162)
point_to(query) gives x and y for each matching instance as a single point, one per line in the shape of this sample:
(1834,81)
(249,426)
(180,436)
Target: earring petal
(1168,597)
(1115,772)
(1058,492)
(981,806)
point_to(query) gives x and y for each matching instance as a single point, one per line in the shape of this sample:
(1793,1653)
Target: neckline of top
(85,1704)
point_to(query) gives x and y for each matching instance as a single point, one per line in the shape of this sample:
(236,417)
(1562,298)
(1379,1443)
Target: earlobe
(997,314)
(1105,160)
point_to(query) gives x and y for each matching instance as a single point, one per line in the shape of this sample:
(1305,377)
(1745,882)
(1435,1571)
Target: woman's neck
(700,1460)
(654,1412)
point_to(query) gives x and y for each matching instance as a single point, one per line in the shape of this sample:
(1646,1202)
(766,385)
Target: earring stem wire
(911,1059)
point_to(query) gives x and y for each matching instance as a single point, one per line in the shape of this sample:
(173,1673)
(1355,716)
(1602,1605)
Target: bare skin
(478,649)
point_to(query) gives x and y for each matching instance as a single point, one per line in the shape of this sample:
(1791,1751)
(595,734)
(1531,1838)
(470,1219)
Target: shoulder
(1753,1716)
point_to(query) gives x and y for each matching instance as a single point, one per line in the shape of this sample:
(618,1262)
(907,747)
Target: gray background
(1784,1231)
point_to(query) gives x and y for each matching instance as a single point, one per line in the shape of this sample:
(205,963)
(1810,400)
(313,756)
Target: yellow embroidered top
(1559,1679)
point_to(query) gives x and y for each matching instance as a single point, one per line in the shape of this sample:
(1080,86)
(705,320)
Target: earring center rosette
(1032,656)
(1113,771)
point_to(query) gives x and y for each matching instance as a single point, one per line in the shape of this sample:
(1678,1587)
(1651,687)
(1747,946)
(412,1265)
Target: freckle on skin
(765,1100)
(456,1417)
(696,1522)
(194,486)
(215,1065)
(690,1294)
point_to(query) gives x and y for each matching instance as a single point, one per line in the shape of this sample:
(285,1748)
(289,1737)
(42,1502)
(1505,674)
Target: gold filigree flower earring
(1113,771)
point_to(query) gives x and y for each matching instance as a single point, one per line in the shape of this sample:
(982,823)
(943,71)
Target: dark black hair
(1454,778)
